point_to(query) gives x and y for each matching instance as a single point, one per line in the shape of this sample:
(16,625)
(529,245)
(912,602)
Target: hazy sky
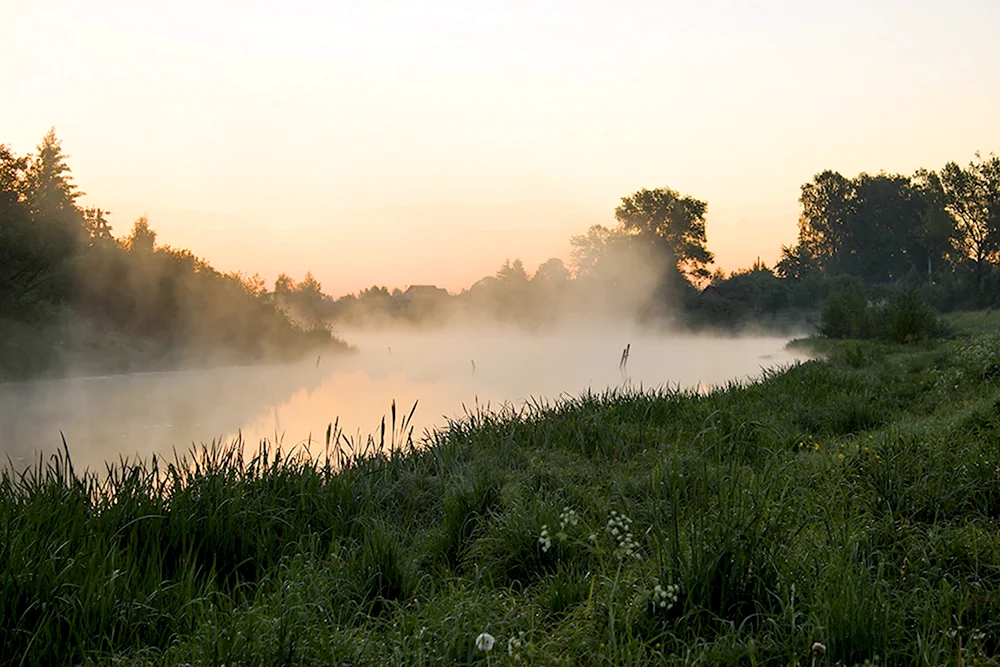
(425,142)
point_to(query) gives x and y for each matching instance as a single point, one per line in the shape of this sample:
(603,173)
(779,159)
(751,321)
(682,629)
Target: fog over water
(103,418)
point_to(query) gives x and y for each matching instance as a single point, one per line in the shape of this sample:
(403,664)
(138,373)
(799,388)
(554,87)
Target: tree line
(63,272)
(934,232)
(69,288)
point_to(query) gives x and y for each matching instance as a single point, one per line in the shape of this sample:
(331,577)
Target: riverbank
(839,511)
(62,344)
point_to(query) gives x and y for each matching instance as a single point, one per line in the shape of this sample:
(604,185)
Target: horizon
(392,145)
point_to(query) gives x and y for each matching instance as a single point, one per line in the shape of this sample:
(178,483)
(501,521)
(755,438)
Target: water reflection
(141,414)
(102,418)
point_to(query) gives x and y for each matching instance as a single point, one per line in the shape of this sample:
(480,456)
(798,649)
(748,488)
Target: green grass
(852,501)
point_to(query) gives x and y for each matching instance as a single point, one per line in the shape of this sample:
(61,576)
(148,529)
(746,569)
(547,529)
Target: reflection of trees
(142,413)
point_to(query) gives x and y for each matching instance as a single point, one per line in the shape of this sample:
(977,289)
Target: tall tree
(937,227)
(868,227)
(972,197)
(512,274)
(142,239)
(50,183)
(21,272)
(884,231)
(826,206)
(310,300)
(677,222)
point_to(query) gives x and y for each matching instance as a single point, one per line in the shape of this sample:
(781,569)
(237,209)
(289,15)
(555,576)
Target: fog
(443,371)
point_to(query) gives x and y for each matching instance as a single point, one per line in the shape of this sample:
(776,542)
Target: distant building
(424,292)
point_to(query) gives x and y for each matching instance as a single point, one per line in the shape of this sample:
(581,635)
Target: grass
(851,502)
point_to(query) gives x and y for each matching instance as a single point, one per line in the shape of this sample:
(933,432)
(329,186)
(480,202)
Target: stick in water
(624,362)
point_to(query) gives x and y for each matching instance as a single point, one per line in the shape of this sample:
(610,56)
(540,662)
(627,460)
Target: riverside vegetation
(842,510)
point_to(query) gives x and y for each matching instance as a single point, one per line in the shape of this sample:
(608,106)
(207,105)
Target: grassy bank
(850,504)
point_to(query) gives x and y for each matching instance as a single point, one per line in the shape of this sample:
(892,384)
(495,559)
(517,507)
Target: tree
(142,239)
(796,263)
(937,227)
(22,271)
(884,230)
(826,203)
(283,285)
(868,227)
(590,250)
(51,188)
(310,299)
(972,197)
(309,285)
(551,272)
(512,274)
(665,217)
(95,223)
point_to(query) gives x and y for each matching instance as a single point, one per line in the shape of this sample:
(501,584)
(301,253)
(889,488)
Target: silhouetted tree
(60,265)
(512,274)
(95,223)
(309,299)
(937,227)
(869,227)
(142,239)
(283,285)
(551,272)
(825,205)
(23,271)
(678,222)
(972,197)
(50,185)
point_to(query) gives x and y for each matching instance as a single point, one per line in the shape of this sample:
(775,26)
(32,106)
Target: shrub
(845,315)
(910,319)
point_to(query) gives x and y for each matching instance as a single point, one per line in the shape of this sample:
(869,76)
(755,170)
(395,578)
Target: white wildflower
(485,641)
(514,646)
(665,597)
(545,540)
(568,518)
(620,527)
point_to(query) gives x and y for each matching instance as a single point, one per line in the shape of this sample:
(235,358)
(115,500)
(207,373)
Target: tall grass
(850,504)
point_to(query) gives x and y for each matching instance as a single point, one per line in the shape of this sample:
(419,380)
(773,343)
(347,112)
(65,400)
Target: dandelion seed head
(485,641)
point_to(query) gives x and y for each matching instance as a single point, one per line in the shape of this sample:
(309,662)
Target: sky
(394,142)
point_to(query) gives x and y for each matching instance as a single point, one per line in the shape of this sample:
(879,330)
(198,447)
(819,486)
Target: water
(103,418)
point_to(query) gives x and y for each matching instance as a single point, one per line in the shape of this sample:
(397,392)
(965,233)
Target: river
(443,372)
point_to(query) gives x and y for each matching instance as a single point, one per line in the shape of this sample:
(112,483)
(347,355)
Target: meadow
(844,510)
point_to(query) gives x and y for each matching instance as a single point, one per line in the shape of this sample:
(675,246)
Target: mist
(165,352)
(444,371)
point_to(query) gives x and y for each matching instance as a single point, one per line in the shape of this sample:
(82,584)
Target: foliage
(845,315)
(903,317)
(678,222)
(972,197)
(62,271)
(866,227)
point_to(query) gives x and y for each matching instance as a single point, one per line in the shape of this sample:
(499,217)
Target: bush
(903,317)
(845,315)
(910,319)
